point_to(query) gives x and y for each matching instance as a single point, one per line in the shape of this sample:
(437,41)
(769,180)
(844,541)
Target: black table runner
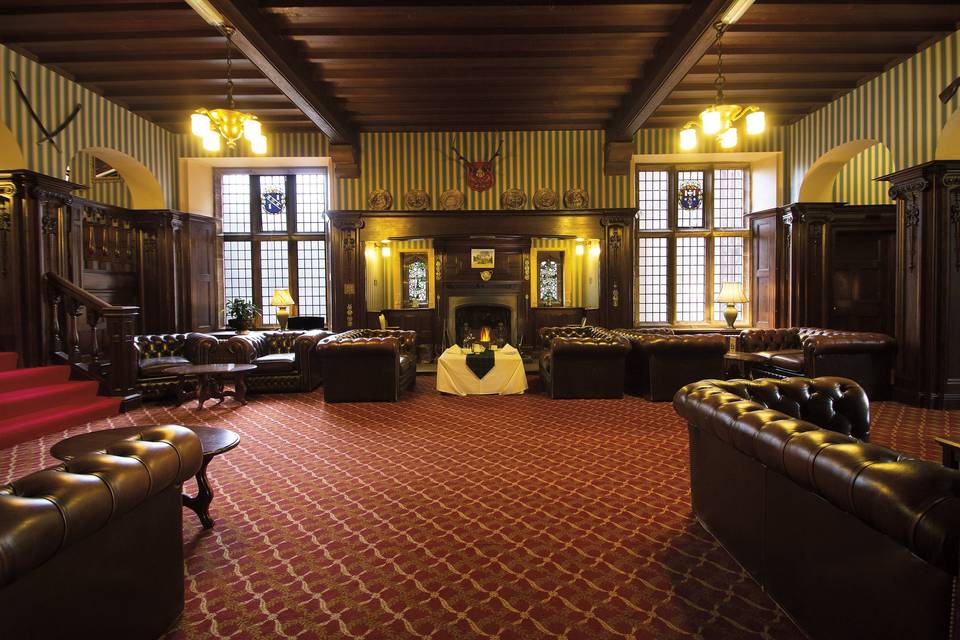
(481,363)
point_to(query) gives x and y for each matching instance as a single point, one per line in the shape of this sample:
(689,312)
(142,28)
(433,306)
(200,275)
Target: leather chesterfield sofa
(659,363)
(852,539)
(368,365)
(159,352)
(286,360)
(864,357)
(582,362)
(93,548)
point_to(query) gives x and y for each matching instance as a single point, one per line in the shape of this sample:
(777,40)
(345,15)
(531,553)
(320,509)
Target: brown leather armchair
(286,360)
(660,363)
(853,540)
(368,365)
(582,362)
(93,548)
(159,352)
(864,357)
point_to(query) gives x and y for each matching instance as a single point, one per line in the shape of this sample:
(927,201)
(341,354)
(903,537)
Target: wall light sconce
(595,248)
(385,248)
(579,248)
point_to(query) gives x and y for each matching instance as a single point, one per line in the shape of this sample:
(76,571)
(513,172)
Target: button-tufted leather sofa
(853,540)
(368,365)
(659,363)
(582,362)
(864,357)
(159,352)
(286,360)
(93,548)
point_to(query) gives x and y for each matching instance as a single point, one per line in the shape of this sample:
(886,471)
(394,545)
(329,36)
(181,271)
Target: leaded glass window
(691,238)
(414,281)
(274,237)
(550,279)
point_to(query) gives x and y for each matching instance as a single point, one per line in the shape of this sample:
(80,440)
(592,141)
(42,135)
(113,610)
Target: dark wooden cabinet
(928,284)
(823,264)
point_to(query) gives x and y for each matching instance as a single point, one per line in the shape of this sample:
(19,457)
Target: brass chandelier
(721,119)
(212,125)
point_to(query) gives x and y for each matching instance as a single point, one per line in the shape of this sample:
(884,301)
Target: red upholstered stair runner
(8,361)
(41,400)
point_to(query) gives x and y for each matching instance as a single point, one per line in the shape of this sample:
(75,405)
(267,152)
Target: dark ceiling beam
(279,60)
(498,31)
(691,37)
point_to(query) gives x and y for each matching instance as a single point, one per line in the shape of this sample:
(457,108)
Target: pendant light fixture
(214,125)
(719,119)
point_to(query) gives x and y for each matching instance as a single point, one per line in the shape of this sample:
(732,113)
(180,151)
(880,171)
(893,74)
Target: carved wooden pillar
(616,272)
(927,372)
(122,325)
(345,256)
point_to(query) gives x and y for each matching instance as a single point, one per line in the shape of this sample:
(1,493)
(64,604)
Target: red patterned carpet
(448,518)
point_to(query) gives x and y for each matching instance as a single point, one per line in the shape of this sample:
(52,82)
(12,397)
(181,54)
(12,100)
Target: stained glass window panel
(653,193)
(237,270)
(690,199)
(548,282)
(235,202)
(312,277)
(416,281)
(274,274)
(273,203)
(728,195)
(727,267)
(311,202)
(691,279)
(652,274)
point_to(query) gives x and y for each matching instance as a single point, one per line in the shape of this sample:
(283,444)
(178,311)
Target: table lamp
(731,293)
(282,299)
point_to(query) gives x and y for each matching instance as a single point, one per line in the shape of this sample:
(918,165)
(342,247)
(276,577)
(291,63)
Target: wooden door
(862,280)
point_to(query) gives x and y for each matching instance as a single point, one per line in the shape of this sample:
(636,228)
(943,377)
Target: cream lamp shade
(282,298)
(731,293)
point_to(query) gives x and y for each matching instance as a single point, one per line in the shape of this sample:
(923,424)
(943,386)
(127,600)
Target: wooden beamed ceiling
(439,64)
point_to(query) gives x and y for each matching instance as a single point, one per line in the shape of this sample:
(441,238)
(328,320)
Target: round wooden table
(213,441)
(210,380)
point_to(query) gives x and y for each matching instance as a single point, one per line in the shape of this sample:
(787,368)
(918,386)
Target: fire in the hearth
(485,334)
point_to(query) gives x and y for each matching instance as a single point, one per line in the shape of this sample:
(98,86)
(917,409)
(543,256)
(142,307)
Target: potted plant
(242,313)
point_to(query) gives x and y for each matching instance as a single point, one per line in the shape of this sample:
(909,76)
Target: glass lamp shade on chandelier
(214,125)
(719,119)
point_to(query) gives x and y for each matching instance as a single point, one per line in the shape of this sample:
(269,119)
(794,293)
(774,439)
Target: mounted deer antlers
(479,172)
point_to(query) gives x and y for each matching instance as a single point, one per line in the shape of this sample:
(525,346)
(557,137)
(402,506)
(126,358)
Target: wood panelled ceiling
(457,65)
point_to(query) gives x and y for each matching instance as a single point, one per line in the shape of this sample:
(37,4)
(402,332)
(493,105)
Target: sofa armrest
(407,339)
(200,347)
(697,343)
(247,348)
(848,343)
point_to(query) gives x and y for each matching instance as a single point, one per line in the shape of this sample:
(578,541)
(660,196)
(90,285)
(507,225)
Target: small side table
(213,442)
(210,381)
(736,364)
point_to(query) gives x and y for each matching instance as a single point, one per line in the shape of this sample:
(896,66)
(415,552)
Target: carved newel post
(928,283)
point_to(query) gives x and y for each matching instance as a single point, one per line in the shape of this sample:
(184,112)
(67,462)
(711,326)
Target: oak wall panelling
(928,284)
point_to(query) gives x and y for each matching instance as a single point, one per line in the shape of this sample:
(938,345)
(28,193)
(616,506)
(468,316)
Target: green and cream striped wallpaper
(113,192)
(854,183)
(529,160)
(101,123)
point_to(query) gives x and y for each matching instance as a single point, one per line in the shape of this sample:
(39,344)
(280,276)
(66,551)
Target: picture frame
(482,258)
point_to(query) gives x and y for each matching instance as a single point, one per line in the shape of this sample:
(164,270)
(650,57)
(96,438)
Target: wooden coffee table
(213,441)
(210,380)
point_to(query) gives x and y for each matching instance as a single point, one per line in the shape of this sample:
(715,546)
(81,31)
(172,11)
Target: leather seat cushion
(276,363)
(792,359)
(156,367)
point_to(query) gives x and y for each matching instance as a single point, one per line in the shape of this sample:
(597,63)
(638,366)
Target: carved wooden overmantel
(928,283)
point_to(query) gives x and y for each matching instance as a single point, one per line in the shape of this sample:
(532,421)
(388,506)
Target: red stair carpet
(41,400)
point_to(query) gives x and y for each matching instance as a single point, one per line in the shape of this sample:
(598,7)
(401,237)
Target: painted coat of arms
(480,173)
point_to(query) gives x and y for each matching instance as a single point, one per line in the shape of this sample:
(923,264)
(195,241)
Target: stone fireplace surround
(480,298)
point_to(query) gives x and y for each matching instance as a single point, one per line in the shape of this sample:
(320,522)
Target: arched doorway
(873,157)
(145,189)
(10,155)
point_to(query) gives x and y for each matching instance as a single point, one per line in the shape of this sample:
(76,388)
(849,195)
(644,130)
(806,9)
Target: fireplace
(482,316)
(478,309)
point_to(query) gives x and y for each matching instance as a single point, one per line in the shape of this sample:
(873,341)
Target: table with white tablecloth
(505,378)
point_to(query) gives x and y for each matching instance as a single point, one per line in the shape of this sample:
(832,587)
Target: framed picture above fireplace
(482,258)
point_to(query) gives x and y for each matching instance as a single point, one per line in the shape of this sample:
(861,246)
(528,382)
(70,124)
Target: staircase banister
(88,299)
